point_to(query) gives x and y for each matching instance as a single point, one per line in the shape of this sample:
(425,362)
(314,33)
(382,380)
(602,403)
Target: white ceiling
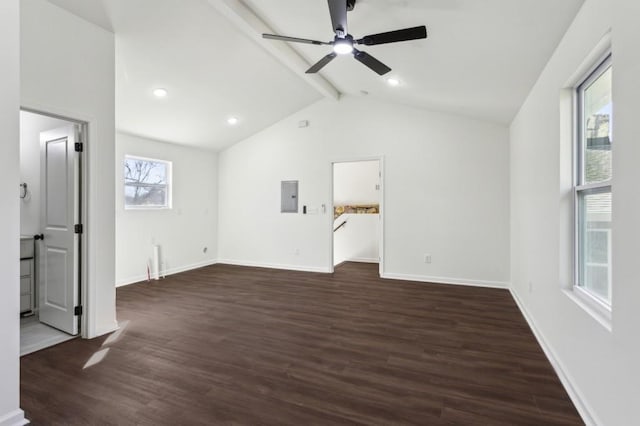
(481,59)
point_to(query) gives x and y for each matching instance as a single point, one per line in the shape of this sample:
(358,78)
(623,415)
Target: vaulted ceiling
(481,59)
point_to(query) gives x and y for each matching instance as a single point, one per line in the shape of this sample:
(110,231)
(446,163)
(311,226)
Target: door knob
(38,237)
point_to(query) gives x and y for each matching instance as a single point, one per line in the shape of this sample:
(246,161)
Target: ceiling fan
(343,43)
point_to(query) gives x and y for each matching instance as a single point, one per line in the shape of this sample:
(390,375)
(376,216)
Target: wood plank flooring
(234,345)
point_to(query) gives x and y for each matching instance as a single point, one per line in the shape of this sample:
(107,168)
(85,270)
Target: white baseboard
(585,411)
(301,268)
(14,418)
(445,280)
(363,260)
(170,271)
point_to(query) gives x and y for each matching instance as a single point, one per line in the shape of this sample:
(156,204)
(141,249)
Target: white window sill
(147,208)
(598,310)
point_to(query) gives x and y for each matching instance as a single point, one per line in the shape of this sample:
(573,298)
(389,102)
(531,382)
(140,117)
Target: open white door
(58,250)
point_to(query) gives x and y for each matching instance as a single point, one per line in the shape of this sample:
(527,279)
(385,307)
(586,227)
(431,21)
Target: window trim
(168,185)
(596,309)
(594,303)
(603,64)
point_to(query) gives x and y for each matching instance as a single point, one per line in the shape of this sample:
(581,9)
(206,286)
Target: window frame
(593,300)
(168,185)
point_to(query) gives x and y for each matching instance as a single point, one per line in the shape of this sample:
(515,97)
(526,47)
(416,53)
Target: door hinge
(77,310)
(78,229)
(79,147)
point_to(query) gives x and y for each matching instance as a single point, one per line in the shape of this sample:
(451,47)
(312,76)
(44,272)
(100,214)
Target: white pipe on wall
(156,262)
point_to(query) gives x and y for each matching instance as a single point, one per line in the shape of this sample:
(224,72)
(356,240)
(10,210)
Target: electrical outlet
(427,258)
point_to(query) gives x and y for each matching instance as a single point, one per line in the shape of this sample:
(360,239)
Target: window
(593,184)
(146,183)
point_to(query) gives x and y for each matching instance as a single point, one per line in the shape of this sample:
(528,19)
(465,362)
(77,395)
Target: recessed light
(393,82)
(160,92)
(232,121)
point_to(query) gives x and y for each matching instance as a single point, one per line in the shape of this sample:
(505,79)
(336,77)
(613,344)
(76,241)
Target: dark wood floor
(234,345)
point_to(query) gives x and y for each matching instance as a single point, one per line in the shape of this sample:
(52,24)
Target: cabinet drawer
(25,303)
(25,267)
(25,286)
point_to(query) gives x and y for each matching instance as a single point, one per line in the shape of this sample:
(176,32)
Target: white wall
(10,413)
(68,69)
(600,367)
(357,240)
(30,127)
(355,182)
(182,231)
(445,186)
(626,227)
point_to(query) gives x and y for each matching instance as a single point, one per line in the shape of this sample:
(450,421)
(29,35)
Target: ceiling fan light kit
(344,43)
(343,46)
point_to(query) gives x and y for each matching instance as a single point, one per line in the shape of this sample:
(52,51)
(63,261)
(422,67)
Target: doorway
(357,207)
(51,231)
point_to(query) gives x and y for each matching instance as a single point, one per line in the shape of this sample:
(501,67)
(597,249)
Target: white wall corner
(445,280)
(584,409)
(14,418)
(101,331)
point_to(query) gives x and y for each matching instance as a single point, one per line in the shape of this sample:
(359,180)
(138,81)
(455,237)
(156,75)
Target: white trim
(595,188)
(361,260)
(586,412)
(381,210)
(598,310)
(302,268)
(593,59)
(589,302)
(446,280)
(168,185)
(89,196)
(171,271)
(14,418)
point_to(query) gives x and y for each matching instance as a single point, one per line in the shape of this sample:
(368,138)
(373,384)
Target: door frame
(83,197)
(381,251)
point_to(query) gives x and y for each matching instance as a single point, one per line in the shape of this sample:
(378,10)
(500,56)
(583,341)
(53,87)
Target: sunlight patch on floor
(96,358)
(100,355)
(116,335)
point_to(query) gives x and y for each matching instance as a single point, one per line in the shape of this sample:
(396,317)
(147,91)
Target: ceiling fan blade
(321,63)
(371,62)
(413,33)
(338,11)
(293,39)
